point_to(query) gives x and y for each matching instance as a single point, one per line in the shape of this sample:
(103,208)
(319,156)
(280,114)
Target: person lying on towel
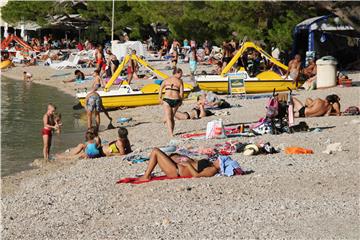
(330,106)
(197,112)
(177,165)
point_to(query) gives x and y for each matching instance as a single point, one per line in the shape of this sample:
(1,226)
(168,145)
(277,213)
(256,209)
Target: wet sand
(287,197)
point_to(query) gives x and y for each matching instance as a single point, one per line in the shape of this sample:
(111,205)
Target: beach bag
(263,128)
(215,129)
(272,108)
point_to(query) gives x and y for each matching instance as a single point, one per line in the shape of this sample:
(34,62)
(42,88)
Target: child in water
(27,76)
(121,146)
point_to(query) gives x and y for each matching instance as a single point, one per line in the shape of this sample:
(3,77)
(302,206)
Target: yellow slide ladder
(241,51)
(124,62)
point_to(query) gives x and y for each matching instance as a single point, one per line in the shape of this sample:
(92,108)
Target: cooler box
(326,72)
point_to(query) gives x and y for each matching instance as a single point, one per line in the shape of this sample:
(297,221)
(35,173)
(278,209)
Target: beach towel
(298,150)
(159,178)
(136,158)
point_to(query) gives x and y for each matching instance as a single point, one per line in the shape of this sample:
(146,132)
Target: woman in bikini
(174,93)
(49,126)
(330,106)
(197,112)
(178,165)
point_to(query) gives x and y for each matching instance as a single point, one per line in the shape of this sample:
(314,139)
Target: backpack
(272,108)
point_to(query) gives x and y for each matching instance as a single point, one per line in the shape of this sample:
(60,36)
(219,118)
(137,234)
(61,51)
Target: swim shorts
(94,103)
(46,131)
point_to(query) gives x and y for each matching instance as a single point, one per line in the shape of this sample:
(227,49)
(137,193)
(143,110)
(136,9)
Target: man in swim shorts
(93,104)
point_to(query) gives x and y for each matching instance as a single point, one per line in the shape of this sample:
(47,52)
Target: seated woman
(178,165)
(197,112)
(318,107)
(119,147)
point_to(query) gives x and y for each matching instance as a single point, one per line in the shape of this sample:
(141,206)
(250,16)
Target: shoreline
(304,196)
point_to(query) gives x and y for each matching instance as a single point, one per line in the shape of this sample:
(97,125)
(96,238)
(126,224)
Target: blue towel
(227,166)
(158,81)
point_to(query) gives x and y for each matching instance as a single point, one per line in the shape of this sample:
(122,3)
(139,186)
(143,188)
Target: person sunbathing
(178,165)
(197,112)
(317,107)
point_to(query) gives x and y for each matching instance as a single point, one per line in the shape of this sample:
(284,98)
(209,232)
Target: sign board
(237,83)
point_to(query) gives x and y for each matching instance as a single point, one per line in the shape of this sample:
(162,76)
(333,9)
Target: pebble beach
(314,196)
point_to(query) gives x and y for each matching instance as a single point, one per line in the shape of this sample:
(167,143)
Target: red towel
(135,180)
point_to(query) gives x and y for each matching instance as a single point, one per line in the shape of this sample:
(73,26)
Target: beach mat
(159,178)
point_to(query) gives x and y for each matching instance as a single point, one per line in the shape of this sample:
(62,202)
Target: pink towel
(136,180)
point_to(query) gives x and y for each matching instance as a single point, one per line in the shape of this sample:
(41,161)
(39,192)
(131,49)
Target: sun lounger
(72,62)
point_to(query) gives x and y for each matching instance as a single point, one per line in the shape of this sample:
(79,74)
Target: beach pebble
(166,222)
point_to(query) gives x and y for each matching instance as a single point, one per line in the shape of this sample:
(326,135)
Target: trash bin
(326,72)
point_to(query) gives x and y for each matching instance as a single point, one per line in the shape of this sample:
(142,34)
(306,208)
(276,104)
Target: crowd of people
(171,96)
(172,165)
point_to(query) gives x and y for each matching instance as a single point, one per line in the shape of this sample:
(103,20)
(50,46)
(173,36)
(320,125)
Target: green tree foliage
(14,11)
(37,11)
(280,34)
(268,21)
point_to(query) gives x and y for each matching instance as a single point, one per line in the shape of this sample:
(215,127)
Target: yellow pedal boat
(262,83)
(125,96)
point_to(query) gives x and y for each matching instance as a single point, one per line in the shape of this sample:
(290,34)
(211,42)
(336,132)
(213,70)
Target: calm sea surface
(22,108)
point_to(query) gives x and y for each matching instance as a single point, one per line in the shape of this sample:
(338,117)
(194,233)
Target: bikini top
(171,88)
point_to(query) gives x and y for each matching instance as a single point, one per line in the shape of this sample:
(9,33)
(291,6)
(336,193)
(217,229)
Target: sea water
(23,105)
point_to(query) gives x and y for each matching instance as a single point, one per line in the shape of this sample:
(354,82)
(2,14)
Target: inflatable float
(5,64)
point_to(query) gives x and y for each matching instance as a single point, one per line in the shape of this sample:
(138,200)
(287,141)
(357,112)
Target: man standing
(294,69)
